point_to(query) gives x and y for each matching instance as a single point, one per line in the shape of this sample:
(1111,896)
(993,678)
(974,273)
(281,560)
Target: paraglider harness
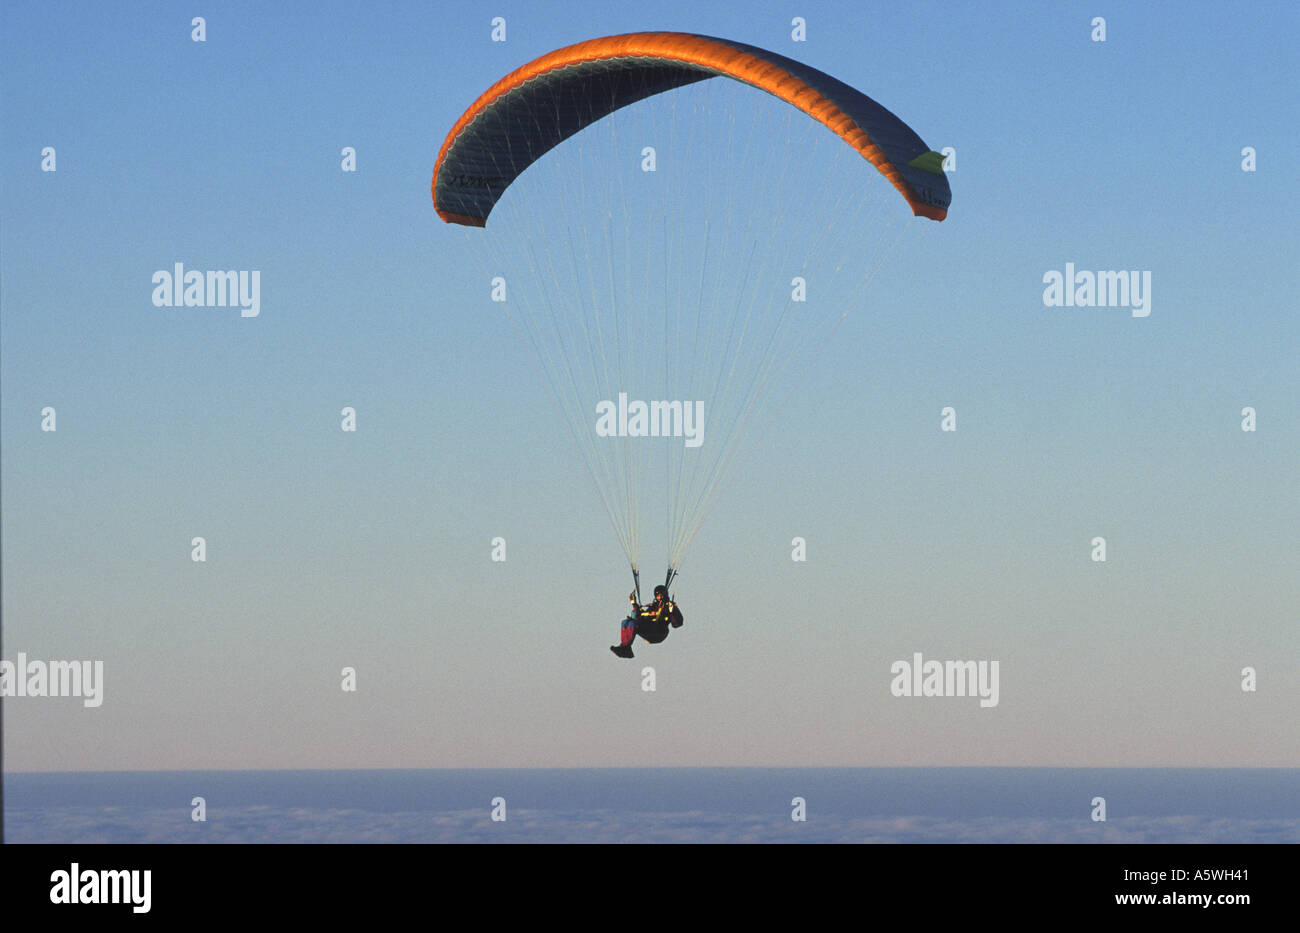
(652,621)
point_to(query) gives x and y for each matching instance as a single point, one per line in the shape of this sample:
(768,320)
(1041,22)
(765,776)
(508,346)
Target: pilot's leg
(626,632)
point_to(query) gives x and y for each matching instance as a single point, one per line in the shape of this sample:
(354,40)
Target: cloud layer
(266,824)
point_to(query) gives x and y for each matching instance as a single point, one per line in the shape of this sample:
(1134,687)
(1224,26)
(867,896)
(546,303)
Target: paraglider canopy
(534,108)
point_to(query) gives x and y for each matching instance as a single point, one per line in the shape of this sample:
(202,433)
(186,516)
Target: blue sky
(372,549)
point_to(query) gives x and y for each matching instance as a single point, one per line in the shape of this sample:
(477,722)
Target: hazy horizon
(673,805)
